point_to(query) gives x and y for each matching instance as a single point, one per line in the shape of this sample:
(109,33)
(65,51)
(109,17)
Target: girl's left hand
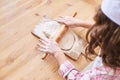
(49,46)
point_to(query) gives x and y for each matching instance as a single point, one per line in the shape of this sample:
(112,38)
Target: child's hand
(69,21)
(49,46)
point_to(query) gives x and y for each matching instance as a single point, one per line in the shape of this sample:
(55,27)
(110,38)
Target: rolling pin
(59,35)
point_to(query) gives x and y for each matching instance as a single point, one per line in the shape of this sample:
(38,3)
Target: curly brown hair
(106,35)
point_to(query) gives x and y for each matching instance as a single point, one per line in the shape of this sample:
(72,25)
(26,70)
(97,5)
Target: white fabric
(111,8)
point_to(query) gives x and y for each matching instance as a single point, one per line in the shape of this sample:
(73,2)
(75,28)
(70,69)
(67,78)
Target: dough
(69,43)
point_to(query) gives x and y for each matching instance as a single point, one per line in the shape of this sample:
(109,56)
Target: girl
(105,33)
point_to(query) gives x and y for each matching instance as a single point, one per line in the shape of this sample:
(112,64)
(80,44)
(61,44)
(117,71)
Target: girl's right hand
(69,21)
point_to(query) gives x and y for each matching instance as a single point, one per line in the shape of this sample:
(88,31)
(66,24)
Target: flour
(70,43)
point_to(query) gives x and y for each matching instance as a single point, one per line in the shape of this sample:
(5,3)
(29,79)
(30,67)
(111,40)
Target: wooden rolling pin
(59,35)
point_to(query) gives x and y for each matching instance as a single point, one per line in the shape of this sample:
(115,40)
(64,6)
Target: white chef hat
(111,8)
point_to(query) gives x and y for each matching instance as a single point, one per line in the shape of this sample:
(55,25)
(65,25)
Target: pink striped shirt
(101,72)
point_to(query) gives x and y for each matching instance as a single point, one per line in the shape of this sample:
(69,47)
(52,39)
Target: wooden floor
(18,58)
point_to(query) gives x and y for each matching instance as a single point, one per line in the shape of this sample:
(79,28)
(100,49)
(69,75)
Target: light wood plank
(18,58)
